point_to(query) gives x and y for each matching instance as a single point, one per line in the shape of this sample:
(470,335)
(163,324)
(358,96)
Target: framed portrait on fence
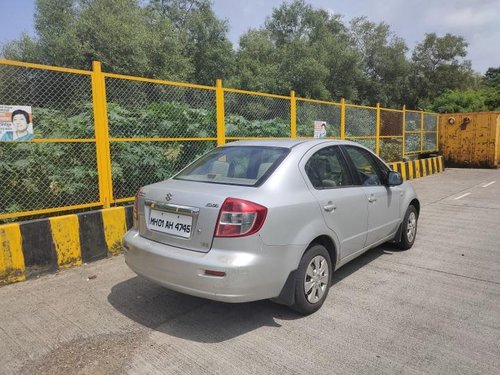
(16,123)
(319,129)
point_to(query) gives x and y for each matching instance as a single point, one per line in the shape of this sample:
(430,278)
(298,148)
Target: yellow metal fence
(99,136)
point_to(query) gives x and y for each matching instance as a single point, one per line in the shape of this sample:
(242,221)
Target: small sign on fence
(319,129)
(16,123)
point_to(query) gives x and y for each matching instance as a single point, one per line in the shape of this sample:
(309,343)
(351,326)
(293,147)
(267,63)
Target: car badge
(168,197)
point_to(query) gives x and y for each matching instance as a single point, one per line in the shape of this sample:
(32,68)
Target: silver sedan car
(254,220)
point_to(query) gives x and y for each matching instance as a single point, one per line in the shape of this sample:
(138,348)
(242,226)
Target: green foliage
(454,101)
(42,175)
(129,38)
(492,77)
(391,150)
(308,113)
(257,64)
(47,175)
(202,34)
(165,120)
(51,123)
(491,82)
(136,164)
(360,122)
(383,61)
(239,126)
(299,47)
(439,65)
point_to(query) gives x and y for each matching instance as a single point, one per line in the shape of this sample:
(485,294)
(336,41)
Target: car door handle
(329,207)
(372,199)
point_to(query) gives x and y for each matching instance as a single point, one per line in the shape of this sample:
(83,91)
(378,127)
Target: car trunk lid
(183,213)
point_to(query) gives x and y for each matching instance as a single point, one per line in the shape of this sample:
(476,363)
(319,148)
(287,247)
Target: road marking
(463,195)
(489,183)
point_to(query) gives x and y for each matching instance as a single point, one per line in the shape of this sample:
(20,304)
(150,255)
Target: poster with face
(319,129)
(16,123)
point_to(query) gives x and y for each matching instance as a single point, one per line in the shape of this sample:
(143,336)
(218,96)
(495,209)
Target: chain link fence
(155,130)
(254,115)
(310,111)
(58,167)
(361,125)
(391,135)
(430,132)
(98,137)
(413,132)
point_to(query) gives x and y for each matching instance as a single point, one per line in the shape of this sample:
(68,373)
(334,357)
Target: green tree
(291,21)
(55,27)
(454,101)
(203,35)
(23,49)
(439,65)
(124,35)
(481,97)
(491,81)
(302,48)
(384,64)
(126,39)
(56,39)
(492,77)
(258,64)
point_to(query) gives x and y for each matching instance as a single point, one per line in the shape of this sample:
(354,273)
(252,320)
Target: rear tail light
(214,273)
(238,218)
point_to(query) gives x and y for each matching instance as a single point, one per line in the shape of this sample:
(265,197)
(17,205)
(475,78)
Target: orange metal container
(470,139)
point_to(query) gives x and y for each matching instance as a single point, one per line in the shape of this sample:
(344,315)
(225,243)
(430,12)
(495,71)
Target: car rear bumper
(256,274)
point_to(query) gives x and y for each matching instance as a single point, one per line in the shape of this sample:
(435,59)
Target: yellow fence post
(403,131)
(219,103)
(421,131)
(342,118)
(101,135)
(377,134)
(293,115)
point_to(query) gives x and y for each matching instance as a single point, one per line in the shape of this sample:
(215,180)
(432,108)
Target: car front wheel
(408,229)
(313,280)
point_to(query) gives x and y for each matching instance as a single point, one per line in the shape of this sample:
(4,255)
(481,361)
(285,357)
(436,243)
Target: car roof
(287,143)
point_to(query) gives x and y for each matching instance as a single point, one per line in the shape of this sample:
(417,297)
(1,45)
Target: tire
(408,229)
(313,280)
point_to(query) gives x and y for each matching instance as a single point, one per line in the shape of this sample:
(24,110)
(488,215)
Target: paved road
(432,309)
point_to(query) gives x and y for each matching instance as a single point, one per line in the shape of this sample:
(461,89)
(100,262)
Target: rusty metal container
(470,139)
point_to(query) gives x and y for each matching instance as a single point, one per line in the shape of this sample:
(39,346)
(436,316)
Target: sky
(478,21)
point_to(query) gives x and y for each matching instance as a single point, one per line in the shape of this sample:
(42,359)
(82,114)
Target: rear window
(235,165)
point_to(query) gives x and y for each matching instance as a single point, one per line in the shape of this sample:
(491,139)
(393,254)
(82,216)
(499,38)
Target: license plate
(170,223)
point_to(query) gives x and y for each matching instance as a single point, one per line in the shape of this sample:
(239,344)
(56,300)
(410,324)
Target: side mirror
(394,178)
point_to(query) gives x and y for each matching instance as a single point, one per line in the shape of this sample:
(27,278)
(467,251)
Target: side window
(366,167)
(326,169)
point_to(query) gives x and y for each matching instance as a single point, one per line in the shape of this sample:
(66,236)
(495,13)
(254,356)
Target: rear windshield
(235,165)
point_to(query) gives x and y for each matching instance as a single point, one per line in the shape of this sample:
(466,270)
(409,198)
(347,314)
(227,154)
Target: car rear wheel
(408,229)
(313,280)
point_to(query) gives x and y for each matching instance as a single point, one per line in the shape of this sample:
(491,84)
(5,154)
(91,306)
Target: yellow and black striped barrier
(33,247)
(418,168)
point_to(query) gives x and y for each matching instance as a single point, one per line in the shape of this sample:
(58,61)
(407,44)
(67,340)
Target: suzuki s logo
(168,197)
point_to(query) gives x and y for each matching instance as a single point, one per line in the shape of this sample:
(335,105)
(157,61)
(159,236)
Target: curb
(418,168)
(31,248)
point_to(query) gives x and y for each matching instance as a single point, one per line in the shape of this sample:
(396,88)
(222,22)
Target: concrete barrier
(31,248)
(418,168)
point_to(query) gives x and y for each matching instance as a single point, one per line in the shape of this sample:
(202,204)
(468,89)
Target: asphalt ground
(432,309)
